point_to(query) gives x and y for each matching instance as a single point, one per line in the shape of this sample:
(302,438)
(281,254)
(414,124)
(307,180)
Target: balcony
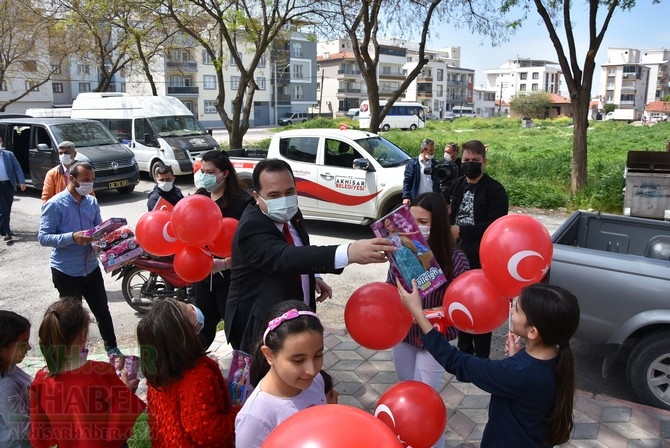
(283,97)
(183,90)
(392,75)
(387,90)
(424,95)
(349,71)
(348,90)
(186,66)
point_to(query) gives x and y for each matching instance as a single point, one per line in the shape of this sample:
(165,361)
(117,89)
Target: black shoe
(8,237)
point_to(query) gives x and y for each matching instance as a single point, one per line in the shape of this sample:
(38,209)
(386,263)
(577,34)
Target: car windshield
(84,134)
(386,153)
(177,126)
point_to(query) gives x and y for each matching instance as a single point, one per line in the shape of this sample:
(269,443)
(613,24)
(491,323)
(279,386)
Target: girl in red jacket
(74,402)
(188,400)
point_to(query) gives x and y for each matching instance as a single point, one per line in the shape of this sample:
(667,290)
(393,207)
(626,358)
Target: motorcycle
(148,279)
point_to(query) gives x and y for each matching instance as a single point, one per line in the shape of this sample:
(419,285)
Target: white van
(160,130)
(463,111)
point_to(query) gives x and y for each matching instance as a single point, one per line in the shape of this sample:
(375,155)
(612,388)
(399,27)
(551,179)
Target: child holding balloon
(411,360)
(531,390)
(284,370)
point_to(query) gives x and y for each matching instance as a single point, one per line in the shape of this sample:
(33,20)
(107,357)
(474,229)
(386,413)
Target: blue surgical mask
(208,181)
(200,318)
(281,209)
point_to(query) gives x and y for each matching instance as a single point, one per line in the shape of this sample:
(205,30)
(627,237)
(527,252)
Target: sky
(647,26)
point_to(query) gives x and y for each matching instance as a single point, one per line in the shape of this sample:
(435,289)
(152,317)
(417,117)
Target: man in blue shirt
(11,175)
(74,267)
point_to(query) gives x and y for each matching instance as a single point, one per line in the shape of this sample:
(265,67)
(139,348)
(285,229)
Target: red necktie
(287,234)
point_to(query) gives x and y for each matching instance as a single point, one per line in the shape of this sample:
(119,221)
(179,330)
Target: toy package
(105,227)
(413,260)
(238,381)
(128,365)
(116,247)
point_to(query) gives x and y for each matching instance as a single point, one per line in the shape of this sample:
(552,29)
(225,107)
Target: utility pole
(321,93)
(276,115)
(500,100)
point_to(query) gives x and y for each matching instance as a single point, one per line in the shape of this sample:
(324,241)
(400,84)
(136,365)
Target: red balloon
(375,317)
(155,235)
(196,220)
(515,252)
(473,305)
(331,426)
(221,246)
(193,264)
(415,412)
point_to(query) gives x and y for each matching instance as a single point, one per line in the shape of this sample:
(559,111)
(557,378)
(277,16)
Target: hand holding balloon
(412,302)
(512,344)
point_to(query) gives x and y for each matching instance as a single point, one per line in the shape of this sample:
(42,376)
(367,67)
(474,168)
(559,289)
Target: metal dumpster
(647,185)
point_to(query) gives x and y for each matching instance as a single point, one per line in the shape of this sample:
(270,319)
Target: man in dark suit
(272,259)
(11,175)
(415,180)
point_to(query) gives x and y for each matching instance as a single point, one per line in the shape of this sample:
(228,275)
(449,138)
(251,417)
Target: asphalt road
(26,285)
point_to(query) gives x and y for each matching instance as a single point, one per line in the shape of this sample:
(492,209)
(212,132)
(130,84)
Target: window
(439,91)
(233,63)
(55,69)
(536,75)
(83,69)
(299,93)
(440,74)
(302,149)
(209,82)
(32,86)
(534,86)
(386,70)
(297,71)
(234,82)
(261,61)
(84,87)
(522,87)
(57,87)
(180,55)
(627,97)
(523,75)
(3,87)
(206,58)
(296,49)
(340,154)
(260,82)
(409,58)
(210,107)
(123,87)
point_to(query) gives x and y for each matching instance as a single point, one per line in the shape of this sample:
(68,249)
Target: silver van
(34,142)
(293,117)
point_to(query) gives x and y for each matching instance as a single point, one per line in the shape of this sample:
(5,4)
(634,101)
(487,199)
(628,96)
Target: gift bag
(238,381)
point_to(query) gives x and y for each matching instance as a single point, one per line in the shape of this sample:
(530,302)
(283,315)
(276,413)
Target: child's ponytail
(561,422)
(63,322)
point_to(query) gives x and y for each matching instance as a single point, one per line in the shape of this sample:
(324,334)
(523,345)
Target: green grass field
(534,164)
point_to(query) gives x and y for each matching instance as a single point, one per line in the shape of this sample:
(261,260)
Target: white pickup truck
(341,175)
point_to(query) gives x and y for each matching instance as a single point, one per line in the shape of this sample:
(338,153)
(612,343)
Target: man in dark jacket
(164,188)
(11,176)
(476,201)
(273,260)
(416,180)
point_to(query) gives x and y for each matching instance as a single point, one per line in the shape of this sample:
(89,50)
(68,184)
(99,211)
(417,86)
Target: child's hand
(512,344)
(412,301)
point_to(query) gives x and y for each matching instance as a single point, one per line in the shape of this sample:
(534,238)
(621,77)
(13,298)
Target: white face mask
(447,157)
(65,159)
(281,209)
(429,156)
(425,232)
(84,188)
(165,186)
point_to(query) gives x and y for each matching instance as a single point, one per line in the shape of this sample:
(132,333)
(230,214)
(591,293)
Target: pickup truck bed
(619,269)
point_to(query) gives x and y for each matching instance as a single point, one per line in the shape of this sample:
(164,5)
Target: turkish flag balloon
(193,264)
(515,252)
(375,317)
(414,411)
(473,305)
(155,235)
(221,246)
(331,426)
(196,220)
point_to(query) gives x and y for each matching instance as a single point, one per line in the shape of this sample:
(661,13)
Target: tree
(579,80)
(609,107)
(32,47)
(226,31)
(533,105)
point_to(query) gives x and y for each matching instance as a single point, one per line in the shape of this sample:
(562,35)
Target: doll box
(105,227)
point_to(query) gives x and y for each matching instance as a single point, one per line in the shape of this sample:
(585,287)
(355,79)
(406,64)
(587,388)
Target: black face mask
(472,170)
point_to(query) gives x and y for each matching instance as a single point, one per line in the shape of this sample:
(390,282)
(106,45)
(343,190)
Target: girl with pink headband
(284,371)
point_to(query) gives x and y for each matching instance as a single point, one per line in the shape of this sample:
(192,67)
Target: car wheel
(412,127)
(648,369)
(126,190)
(386,127)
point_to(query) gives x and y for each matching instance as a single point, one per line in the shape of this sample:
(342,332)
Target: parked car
(432,116)
(657,117)
(293,117)
(353,113)
(448,115)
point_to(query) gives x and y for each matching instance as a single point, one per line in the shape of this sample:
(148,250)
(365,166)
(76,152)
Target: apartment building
(441,84)
(523,76)
(631,78)
(485,104)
